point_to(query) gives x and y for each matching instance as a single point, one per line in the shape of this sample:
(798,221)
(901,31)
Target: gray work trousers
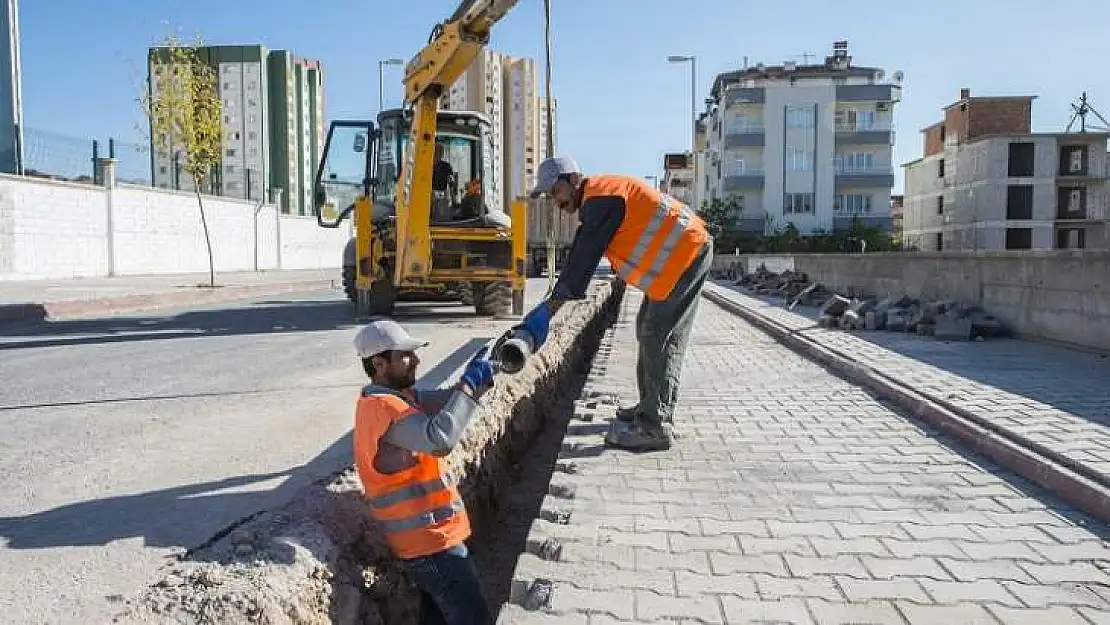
(663,331)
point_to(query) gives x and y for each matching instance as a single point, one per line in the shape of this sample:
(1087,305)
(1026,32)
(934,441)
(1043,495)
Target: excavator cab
(476,249)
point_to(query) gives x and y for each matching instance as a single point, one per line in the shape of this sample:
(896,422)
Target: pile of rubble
(943,319)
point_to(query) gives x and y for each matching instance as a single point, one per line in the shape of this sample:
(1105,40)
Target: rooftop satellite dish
(879,74)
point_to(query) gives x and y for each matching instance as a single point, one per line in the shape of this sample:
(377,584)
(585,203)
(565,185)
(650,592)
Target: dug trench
(320,559)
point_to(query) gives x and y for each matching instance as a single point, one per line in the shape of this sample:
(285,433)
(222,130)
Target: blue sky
(621,104)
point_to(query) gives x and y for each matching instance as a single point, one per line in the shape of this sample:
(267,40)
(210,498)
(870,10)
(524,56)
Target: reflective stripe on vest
(424,519)
(633,271)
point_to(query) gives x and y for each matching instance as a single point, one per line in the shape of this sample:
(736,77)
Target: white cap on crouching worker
(550,170)
(382,335)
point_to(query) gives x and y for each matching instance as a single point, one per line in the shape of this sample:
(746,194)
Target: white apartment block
(678,177)
(809,145)
(542,108)
(522,128)
(988,183)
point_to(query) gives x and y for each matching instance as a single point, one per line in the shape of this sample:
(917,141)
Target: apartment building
(273,128)
(522,127)
(678,177)
(987,182)
(897,210)
(804,144)
(544,122)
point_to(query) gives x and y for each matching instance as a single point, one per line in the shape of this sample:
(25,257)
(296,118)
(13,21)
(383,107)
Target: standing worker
(656,244)
(401,435)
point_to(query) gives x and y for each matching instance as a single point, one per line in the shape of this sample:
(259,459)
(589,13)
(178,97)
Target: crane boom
(451,49)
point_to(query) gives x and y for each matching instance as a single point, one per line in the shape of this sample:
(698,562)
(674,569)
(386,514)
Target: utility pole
(550,138)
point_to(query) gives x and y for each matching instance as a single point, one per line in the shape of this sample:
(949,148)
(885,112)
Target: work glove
(538,322)
(478,374)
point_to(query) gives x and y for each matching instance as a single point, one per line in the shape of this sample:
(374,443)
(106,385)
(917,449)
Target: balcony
(874,176)
(857,133)
(745,95)
(744,134)
(742,179)
(868,93)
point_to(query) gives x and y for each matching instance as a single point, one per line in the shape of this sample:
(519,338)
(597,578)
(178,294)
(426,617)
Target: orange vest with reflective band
(419,508)
(658,239)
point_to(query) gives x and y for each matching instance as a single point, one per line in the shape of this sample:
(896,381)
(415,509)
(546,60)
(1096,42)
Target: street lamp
(693,111)
(381,79)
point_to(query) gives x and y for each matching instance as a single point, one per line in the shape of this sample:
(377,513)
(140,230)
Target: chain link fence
(57,156)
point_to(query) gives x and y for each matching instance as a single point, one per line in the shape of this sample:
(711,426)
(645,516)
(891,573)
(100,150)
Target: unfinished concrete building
(987,182)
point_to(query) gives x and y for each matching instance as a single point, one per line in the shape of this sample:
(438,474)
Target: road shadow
(1068,380)
(188,515)
(270,316)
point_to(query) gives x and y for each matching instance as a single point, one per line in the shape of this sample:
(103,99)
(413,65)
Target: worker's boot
(628,415)
(639,436)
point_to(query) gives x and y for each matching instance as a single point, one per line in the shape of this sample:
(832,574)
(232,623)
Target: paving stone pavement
(1051,395)
(791,496)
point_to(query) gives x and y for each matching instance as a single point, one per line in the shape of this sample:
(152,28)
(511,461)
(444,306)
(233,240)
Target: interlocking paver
(798,498)
(1051,395)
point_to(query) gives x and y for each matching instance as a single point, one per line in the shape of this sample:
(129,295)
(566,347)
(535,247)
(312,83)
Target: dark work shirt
(598,220)
(441,176)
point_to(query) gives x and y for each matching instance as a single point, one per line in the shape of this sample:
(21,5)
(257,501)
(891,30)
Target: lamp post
(381,79)
(654,180)
(692,60)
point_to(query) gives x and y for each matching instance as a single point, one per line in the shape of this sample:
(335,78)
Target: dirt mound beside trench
(319,559)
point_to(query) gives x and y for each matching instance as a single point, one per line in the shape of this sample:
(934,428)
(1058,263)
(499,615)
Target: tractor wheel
(493,299)
(349,283)
(379,300)
(465,291)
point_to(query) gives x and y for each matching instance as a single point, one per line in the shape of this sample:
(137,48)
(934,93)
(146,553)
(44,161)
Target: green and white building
(273,125)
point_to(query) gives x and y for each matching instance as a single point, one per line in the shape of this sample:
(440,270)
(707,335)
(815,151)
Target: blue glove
(538,322)
(479,371)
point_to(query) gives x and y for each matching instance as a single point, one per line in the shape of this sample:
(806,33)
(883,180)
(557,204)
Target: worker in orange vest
(656,244)
(401,436)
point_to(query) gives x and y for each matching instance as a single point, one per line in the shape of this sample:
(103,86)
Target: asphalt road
(130,438)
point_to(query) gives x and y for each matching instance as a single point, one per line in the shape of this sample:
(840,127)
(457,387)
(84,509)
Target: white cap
(547,174)
(384,334)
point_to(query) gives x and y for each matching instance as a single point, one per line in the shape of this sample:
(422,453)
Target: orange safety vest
(658,239)
(419,509)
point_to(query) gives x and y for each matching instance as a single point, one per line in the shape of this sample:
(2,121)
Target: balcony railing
(731,172)
(864,170)
(744,128)
(879,126)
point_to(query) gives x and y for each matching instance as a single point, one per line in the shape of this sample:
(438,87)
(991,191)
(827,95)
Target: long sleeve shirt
(599,218)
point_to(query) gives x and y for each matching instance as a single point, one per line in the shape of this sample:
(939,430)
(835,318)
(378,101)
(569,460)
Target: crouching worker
(401,436)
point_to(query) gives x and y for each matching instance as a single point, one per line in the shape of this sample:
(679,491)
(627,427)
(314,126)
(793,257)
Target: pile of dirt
(320,559)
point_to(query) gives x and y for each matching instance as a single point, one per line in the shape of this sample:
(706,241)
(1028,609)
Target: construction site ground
(794,496)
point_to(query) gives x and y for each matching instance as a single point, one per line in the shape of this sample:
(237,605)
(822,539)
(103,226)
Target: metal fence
(57,156)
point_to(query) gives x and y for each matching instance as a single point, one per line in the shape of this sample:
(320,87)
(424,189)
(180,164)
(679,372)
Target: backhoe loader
(415,182)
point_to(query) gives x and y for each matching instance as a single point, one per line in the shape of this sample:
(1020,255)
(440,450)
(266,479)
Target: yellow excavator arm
(453,46)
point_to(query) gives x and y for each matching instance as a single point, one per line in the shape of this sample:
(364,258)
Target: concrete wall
(51,230)
(1059,295)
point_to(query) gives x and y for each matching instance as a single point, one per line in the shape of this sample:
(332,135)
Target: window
(799,117)
(854,120)
(1071,203)
(230,152)
(852,204)
(1019,238)
(1073,160)
(942,133)
(1021,160)
(855,162)
(798,159)
(940,204)
(940,241)
(1019,201)
(1071,238)
(797,203)
(940,168)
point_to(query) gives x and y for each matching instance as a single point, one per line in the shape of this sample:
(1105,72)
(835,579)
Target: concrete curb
(1007,449)
(186,296)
